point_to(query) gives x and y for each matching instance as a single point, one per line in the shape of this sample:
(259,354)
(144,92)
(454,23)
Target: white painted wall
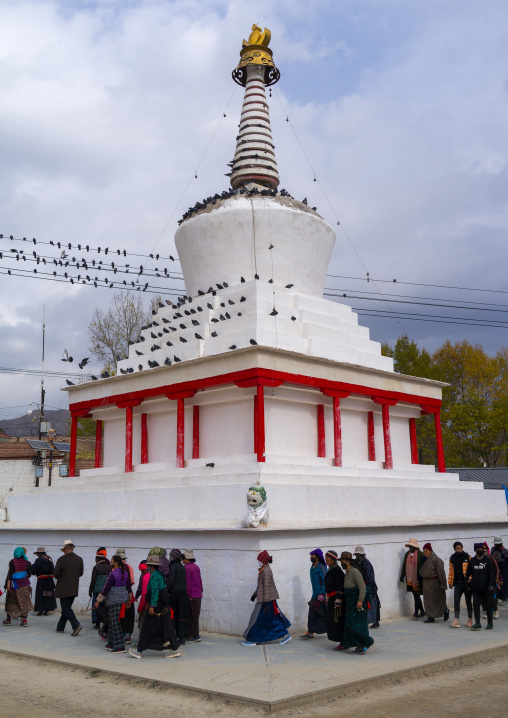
(19,474)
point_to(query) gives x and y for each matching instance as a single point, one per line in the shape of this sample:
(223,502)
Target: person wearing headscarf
(141,592)
(410,573)
(157,631)
(500,554)
(164,561)
(481,577)
(43,568)
(117,593)
(434,586)
(100,573)
(129,617)
(316,620)
(356,594)
(267,622)
(335,607)
(178,596)
(457,580)
(362,563)
(17,583)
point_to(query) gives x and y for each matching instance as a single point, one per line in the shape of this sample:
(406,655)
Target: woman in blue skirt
(267,622)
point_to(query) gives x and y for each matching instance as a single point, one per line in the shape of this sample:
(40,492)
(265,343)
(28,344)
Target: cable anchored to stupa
(254,159)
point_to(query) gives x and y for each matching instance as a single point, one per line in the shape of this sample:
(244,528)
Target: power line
(419,284)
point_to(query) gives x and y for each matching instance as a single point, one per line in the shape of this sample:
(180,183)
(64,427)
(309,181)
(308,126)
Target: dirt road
(48,690)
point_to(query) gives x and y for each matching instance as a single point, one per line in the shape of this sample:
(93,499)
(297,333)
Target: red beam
(180,433)
(257,376)
(441,467)
(321,431)
(72,453)
(413,441)
(98,443)
(371,438)
(195,431)
(337,431)
(128,439)
(255,424)
(144,439)
(385,408)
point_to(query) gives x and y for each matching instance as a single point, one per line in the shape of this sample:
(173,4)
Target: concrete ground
(270,677)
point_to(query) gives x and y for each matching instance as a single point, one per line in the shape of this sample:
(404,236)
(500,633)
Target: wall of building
(229,566)
(19,474)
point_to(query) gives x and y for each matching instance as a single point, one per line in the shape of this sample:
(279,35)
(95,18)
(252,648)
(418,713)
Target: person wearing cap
(68,571)
(362,563)
(316,619)
(17,583)
(410,573)
(157,632)
(194,592)
(43,568)
(500,554)
(100,573)
(267,622)
(481,576)
(434,586)
(163,557)
(334,589)
(457,580)
(179,599)
(356,594)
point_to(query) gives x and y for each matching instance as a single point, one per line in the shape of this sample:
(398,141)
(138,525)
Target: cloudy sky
(401,108)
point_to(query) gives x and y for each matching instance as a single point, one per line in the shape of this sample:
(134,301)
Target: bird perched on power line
(83,362)
(66,356)
(69,383)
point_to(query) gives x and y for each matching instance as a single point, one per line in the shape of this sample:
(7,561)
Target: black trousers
(459,590)
(485,598)
(67,614)
(418,602)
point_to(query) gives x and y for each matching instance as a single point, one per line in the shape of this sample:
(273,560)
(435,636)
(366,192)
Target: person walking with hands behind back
(481,577)
(334,587)
(411,564)
(316,620)
(434,586)
(68,571)
(356,630)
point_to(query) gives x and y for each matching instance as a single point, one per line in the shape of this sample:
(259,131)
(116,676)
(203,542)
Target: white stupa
(256,380)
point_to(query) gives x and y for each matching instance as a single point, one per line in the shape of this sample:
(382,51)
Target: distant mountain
(28,425)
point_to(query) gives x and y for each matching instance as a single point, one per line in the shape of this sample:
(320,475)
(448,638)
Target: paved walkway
(270,675)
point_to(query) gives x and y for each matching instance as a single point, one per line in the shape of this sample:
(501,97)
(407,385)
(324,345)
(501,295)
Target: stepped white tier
(255,379)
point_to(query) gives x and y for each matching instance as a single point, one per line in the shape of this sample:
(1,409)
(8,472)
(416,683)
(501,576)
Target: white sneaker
(496,614)
(135,654)
(173,654)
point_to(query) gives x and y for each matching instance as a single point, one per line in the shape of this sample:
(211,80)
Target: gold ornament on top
(255,51)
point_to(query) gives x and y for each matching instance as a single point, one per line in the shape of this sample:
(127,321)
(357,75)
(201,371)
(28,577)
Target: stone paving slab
(272,676)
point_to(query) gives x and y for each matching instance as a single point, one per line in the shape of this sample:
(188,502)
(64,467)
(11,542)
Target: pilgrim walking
(356,630)
(118,595)
(434,586)
(68,571)
(481,576)
(457,580)
(178,598)
(100,573)
(157,630)
(316,620)
(267,622)
(17,583)
(43,568)
(335,607)
(500,554)
(194,592)
(366,568)
(410,573)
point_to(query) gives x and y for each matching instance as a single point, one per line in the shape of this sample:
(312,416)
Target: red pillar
(413,441)
(255,424)
(72,454)
(385,408)
(195,431)
(337,395)
(144,439)
(98,444)
(439,444)
(128,439)
(179,397)
(371,439)
(321,430)
(260,449)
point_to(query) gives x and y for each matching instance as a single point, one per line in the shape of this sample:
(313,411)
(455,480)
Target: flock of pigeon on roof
(266,192)
(189,314)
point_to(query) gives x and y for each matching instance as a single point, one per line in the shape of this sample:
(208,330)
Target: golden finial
(255,51)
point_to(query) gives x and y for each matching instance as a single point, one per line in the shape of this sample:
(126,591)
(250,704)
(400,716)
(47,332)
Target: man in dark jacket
(178,597)
(459,561)
(365,567)
(481,577)
(68,571)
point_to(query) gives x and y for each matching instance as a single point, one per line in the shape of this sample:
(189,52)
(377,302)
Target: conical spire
(254,159)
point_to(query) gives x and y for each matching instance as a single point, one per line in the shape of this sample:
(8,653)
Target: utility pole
(41,409)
